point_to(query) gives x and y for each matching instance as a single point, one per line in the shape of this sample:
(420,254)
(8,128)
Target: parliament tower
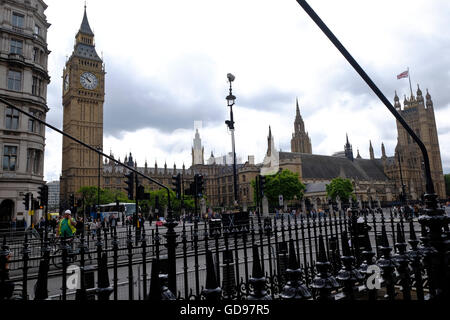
(83,98)
(300,142)
(419,114)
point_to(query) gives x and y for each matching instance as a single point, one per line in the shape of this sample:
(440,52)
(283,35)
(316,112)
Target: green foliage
(90,195)
(447,184)
(285,183)
(163,201)
(340,187)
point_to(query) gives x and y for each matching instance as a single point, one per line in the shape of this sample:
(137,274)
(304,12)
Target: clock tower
(83,98)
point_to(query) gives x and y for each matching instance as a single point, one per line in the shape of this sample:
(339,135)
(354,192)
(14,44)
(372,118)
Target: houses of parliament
(374,178)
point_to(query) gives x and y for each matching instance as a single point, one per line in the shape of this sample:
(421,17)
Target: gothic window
(107,181)
(12,119)
(16,46)
(9,158)
(14,80)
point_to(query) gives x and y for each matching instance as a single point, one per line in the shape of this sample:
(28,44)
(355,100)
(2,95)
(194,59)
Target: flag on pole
(403,75)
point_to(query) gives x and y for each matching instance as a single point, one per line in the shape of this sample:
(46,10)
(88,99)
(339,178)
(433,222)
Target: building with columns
(23,82)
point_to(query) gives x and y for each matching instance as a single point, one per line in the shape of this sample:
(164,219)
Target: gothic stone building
(374,179)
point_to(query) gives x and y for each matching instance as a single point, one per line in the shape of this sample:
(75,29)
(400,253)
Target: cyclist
(67,226)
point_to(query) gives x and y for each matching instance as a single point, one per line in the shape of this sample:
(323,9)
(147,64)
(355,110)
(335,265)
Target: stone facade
(83,98)
(373,179)
(419,114)
(218,179)
(23,82)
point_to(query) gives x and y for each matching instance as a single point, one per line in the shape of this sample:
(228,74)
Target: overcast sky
(167,62)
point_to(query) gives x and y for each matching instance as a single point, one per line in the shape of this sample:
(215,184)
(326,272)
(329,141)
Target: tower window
(14,80)
(12,119)
(9,158)
(16,46)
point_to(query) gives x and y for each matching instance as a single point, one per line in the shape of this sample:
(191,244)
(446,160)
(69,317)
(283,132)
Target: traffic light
(26,201)
(130,185)
(262,185)
(176,182)
(140,194)
(43,195)
(199,185)
(72,200)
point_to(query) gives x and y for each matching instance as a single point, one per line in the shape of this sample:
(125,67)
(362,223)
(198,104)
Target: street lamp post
(231,99)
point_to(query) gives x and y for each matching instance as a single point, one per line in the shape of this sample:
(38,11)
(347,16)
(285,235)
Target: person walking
(67,226)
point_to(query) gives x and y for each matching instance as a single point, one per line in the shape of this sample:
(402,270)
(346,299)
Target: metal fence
(358,254)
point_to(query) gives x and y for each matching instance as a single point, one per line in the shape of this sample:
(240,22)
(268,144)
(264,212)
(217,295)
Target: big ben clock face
(88,81)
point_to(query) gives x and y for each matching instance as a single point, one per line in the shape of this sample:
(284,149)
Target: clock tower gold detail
(83,98)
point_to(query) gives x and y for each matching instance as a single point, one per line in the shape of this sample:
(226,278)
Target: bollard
(258,281)
(103,290)
(229,277)
(294,288)
(212,291)
(158,284)
(41,288)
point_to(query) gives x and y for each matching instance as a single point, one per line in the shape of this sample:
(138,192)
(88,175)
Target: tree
(90,195)
(340,187)
(447,184)
(285,183)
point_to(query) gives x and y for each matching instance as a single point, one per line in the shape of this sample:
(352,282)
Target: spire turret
(383,151)
(372,155)
(419,94)
(348,149)
(397,101)
(429,101)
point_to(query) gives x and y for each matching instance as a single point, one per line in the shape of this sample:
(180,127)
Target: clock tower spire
(83,99)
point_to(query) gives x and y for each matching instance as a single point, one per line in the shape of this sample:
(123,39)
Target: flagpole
(410,87)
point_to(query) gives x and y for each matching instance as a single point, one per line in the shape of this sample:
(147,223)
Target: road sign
(280,199)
